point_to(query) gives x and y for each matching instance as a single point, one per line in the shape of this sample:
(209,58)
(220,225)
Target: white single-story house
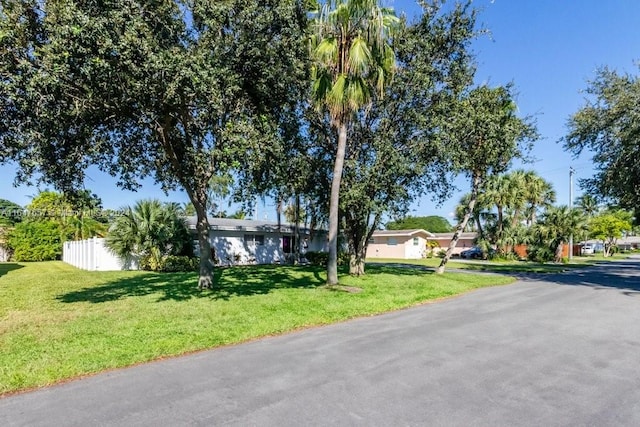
(405,244)
(236,242)
(242,241)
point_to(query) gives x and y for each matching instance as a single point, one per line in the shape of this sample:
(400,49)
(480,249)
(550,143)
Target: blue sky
(549,49)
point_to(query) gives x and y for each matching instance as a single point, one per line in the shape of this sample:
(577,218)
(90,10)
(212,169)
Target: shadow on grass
(6,267)
(230,282)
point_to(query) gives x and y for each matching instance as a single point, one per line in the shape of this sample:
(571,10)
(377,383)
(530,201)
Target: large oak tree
(608,125)
(179,90)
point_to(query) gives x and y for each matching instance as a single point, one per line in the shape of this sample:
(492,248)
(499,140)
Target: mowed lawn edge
(503,267)
(58,322)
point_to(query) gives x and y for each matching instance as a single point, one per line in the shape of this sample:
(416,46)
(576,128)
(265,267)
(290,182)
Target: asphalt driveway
(563,350)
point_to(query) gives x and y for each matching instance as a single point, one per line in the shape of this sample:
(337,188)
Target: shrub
(169,263)
(317,258)
(442,253)
(540,253)
(175,263)
(321,258)
(343,258)
(36,241)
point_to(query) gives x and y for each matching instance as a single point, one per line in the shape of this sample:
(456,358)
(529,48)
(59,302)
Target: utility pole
(571,172)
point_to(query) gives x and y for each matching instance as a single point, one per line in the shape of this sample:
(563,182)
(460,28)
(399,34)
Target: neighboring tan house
(465,242)
(404,244)
(242,241)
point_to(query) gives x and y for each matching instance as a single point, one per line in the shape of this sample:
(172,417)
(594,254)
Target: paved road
(564,351)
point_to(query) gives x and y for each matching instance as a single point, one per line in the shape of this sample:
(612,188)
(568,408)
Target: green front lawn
(58,322)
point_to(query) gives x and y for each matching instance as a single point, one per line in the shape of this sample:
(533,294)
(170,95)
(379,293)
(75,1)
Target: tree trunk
(332,264)
(461,225)
(205,279)
(479,226)
(356,263)
(558,256)
(279,211)
(358,255)
(297,229)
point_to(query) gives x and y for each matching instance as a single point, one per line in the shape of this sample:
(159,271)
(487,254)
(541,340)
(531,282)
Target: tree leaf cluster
(433,224)
(608,125)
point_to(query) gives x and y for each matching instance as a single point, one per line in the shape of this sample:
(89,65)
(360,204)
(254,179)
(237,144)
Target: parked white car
(587,249)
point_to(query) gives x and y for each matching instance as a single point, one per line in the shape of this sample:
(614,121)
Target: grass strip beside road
(499,266)
(58,322)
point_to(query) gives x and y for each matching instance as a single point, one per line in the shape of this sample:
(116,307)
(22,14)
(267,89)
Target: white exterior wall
(412,251)
(231,248)
(4,254)
(93,255)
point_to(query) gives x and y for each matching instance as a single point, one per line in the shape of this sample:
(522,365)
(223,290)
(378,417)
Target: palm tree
(588,204)
(81,227)
(557,225)
(480,213)
(151,230)
(539,195)
(353,60)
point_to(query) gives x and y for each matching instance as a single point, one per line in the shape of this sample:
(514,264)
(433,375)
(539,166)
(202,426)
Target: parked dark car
(474,253)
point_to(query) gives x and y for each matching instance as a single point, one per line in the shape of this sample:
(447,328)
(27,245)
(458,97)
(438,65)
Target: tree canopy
(10,212)
(181,91)
(485,135)
(608,227)
(353,60)
(433,223)
(608,126)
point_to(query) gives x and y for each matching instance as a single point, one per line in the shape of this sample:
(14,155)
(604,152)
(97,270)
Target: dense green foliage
(10,213)
(352,62)
(608,126)
(507,206)
(485,135)
(393,156)
(181,91)
(169,263)
(608,227)
(320,259)
(433,224)
(50,219)
(150,231)
(553,231)
(36,240)
(60,322)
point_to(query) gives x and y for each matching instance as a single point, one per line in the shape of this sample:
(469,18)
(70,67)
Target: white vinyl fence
(93,255)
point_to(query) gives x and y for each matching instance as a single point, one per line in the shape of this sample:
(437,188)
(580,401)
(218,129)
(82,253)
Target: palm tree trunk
(558,256)
(297,229)
(332,264)
(479,225)
(461,225)
(279,211)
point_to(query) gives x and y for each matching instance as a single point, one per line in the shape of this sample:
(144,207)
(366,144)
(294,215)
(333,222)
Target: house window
(371,240)
(254,239)
(392,241)
(288,244)
(416,241)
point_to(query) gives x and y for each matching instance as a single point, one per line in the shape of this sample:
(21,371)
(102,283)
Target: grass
(58,322)
(505,267)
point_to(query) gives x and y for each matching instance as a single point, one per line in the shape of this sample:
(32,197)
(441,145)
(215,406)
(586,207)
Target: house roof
(629,240)
(449,236)
(399,233)
(230,224)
